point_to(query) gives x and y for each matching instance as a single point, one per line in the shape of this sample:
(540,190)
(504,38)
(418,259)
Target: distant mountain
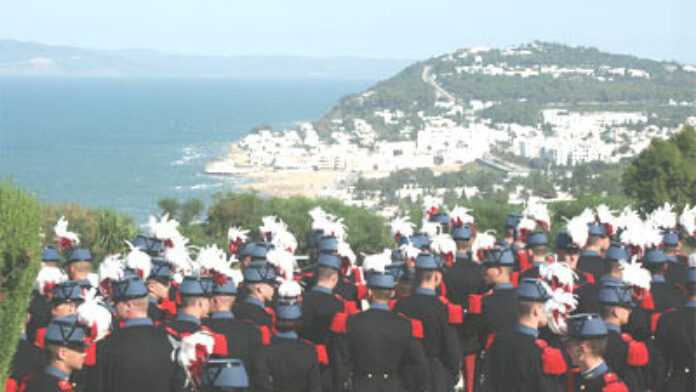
(514,85)
(33,59)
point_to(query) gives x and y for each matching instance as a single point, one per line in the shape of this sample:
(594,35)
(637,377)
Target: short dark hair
(190,301)
(540,250)
(288,325)
(598,346)
(382,294)
(524,308)
(593,240)
(424,275)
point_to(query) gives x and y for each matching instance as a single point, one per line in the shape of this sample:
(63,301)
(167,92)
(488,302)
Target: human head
(532,295)
(586,340)
(497,265)
(79,264)
(65,343)
(616,302)
(130,298)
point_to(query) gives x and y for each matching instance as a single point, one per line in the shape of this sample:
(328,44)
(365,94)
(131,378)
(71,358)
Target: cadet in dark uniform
(440,339)
(159,284)
(591,260)
(289,364)
(65,298)
(588,294)
(345,287)
(537,246)
(319,307)
(678,263)
(244,339)
(40,306)
(260,281)
(374,346)
(665,296)
(154,247)
(225,375)
(629,358)
(28,359)
(195,294)
(79,264)
(586,344)
(519,360)
(462,280)
(138,356)
(65,348)
(676,339)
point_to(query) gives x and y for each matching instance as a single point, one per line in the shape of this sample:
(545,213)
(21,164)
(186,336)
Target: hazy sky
(663,29)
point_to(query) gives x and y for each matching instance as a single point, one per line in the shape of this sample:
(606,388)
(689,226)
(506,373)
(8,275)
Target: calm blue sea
(124,144)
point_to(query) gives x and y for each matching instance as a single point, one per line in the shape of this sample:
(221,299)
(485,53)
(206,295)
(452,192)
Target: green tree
(19,264)
(169,206)
(664,172)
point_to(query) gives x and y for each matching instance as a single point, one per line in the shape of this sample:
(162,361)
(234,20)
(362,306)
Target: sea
(126,143)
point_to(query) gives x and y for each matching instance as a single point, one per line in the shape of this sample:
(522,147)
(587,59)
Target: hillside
(34,59)
(515,86)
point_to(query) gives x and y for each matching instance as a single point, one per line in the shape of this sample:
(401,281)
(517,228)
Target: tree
(169,206)
(664,172)
(19,264)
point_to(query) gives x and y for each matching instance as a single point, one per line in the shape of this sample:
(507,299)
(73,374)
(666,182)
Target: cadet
(225,375)
(195,292)
(677,341)
(259,281)
(586,344)
(678,263)
(28,358)
(372,347)
(65,298)
(440,340)
(243,338)
(154,247)
(161,307)
(40,306)
(65,348)
(137,356)
(665,296)
(519,360)
(320,305)
(537,246)
(345,288)
(462,280)
(629,358)
(588,301)
(591,260)
(289,364)
(79,265)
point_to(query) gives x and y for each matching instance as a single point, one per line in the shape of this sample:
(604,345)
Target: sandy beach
(292,182)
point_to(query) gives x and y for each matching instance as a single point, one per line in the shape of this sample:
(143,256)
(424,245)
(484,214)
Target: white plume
(235,234)
(94,314)
(558,273)
(431,204)
(212,259)
(285,240)
(190,357)
(178,255)
(111,268)
(344,251)
(526,224)
(432,229)
(319,217)
(688,220)
(628,218)
(408,250)
(289,289)
(635,275)
(605,214)
(443,244)
(138,261)
(539,212)
(64,237)
(164,228)
(663,217)
(271,225)
(377,262)
(483,241)
(692,260)
(402,226)
(460,216)
(561,304)
(577,229)
(284,262)
(48,278)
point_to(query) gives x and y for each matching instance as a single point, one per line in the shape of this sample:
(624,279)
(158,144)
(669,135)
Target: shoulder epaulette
(455,313)
(339,324)
(322,354)
(638,354)
(613,384)
(40,338)
(416,326)
(265,335)
(552,360)
(476,303)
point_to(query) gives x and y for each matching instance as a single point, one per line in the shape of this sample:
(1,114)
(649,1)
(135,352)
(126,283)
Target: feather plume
(48,278)
(212,260)
(408,250)
(178,255)
(628,218)
(663,217)
(111,269)
(164,229)
(431,204)
(558,275)
(237,234)
(284,262)
(285,240)
(633,274)
(138,261)
(193,352)
(289,289)
(605,214)
(377,262)
(319,217)
(561,304)
(577,229)
(432,229)
(94,314)
(687,220)
(460,216)
(483,242)
(345,252)
(539,212)
(443,244)
(64,238)
(401,227)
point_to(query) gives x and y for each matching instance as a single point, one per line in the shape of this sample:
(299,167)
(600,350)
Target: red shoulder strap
(647,302)
(589,278)
(168,307)
(40,338)
(515,278)
(391,304)
(322,354)
(552,360)
(265,335)
(475,304)
(638,354)
(269,310)
(361,291)
(489,341)
(91,354)
(613,384)
(416,329)
(339,324)
(11,385)
(455,313)
(654,320)
(220,345)
(523,259)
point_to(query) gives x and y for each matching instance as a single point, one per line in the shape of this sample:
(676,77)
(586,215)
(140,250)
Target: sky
(664,29)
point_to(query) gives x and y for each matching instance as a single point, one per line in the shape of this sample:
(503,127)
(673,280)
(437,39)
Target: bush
(19,264)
